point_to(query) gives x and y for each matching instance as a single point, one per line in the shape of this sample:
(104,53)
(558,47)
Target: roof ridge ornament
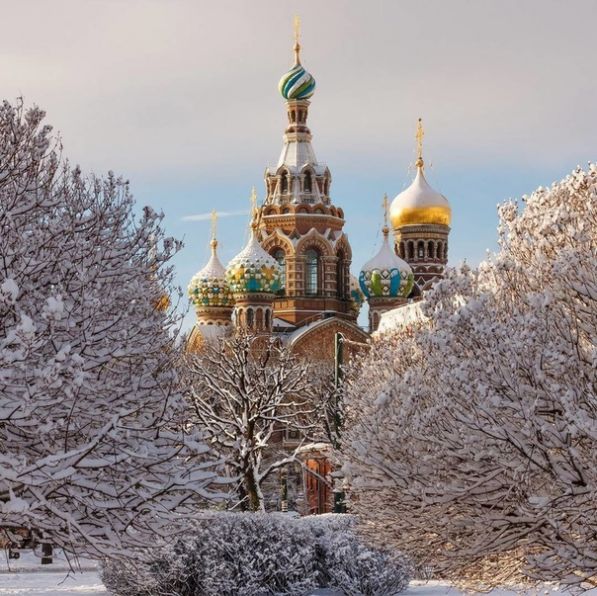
(386,207)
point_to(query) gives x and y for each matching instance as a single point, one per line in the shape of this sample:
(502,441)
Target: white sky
(181,97)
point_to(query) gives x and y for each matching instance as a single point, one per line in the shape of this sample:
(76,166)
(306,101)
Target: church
(293,278)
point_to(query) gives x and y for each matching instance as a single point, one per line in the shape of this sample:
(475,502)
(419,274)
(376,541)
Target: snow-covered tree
(94,451)
(248,391)
(472,439)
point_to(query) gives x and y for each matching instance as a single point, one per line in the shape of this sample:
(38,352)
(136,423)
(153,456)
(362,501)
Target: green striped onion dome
(297,83)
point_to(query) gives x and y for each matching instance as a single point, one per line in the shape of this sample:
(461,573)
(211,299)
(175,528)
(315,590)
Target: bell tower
(421,219)
(300,227)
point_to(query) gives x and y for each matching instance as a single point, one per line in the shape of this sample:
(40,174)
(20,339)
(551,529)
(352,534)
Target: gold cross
(297,39)
(386,204)
(419,136)
(214,222)
(254,210)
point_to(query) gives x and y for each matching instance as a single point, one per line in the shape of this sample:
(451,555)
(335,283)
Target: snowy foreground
(27,577)
(87,583)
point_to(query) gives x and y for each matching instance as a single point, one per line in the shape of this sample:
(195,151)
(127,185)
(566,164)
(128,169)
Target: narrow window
(430,250)
(421,250)
(308,183)
(250,318)
(311,272)
(284,183)
(280,256)
(341,277)
(411,250)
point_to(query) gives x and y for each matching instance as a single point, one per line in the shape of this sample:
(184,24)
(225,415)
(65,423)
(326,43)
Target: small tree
(246,392)
(473,448)
(94,451)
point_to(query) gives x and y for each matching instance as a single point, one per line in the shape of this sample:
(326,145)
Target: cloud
(220,214)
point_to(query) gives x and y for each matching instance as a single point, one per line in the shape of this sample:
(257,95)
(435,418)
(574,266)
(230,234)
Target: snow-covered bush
(230,554)
(347,563)
(225,554)
(95,450)
(473,448)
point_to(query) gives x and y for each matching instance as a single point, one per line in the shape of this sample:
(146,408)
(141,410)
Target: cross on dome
(419,136)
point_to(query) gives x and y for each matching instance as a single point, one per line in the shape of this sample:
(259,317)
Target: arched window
(280,256)
(259,319)
(446,250)
(430,250)
(439,250)
(284,183)
(308,183)
(402,251)
(311,272)
(421,250)
(411,250)
(267,320)
(326,187)
(250,318)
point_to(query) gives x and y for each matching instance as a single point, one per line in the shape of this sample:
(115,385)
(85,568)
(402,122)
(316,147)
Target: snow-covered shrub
(229,554)
(348,564)
(473,448)
(224,554)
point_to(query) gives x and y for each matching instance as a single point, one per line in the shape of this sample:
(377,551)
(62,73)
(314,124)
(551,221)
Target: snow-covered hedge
(230,554)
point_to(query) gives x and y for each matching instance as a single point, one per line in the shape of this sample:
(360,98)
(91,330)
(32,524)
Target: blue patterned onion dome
(356,295)
(253,271)
(209,287)
(297,83)
(386,275)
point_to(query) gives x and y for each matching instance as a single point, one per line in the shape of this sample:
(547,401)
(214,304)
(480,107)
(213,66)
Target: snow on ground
(27,577)
(52,583)
(87,583)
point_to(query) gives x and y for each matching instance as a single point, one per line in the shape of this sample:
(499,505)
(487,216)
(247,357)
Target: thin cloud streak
(220,214)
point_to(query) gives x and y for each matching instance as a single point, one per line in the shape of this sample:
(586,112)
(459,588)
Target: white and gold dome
(420,204)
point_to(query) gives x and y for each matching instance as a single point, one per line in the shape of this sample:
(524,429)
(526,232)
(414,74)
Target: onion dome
(253,270)
(356,295)
(209,287)
(386,275)
(419,203)
(297,83)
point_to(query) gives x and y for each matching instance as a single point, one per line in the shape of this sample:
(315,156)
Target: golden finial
(214,224)
(297,37)
(386,207)
(419,136)
(254,210)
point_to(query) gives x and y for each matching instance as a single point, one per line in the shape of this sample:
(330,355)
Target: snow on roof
(400,317)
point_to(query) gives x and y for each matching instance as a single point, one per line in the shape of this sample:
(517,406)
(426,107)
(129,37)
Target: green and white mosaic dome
(253,271)
(209,287)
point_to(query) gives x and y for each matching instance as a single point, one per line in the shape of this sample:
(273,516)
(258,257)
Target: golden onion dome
(420,204)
